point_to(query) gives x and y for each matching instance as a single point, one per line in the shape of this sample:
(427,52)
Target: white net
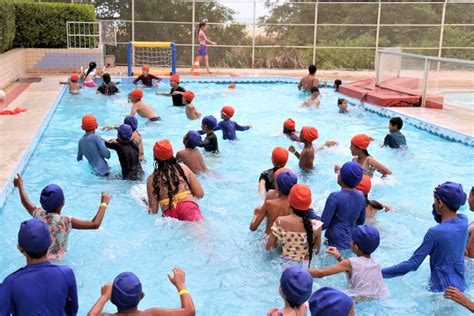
(160,57)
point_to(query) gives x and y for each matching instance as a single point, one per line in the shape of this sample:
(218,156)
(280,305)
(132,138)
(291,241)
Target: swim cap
(125,132)
(89,123)
(188,96)
(194,139)
(163,150)
(126,291)
(137,94)
(289,124)
(232,86)
(309,133)
(452,194)
(365,185)
(210,121)
(361,140)
(330,302)
(300,197)
(145,68)
(366,237)
(228,111)
(74,77)
(285,181)
(34,236)
(175,78)
(296,284)
(132,121)
(51,197)
(351,174)
(279,156)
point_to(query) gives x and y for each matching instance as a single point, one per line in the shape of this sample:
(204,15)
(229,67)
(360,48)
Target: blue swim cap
(329,302)
(125,132)
(452,194)
(210,121)
(366,237)
(34,236)
(285,181)
(296,284)
(51,197)
(126,291)
(351,174)
(194,139)
(132,121)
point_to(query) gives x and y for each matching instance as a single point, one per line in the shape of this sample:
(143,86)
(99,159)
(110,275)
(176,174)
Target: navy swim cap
(210,121)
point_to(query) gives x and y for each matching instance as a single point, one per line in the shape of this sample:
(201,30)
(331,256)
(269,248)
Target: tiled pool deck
(20,131)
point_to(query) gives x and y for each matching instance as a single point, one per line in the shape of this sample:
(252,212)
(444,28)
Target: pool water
(228,270)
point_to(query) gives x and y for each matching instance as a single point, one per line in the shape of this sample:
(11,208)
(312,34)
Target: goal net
(161,56)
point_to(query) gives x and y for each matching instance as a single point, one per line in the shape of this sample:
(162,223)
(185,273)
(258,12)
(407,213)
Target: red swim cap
(137,94)
(89,123)
(361,140)
(232,86)
(289,124)
(279,156)
(163,150)
(74,77)
(300,197)
(365,185)
(309,133)
(228,111)
(175,78)
(145,68)
(188,96)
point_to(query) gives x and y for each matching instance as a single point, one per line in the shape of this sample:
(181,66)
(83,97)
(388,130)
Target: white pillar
(192,32)
(378,32)
(254,32)
(315,30)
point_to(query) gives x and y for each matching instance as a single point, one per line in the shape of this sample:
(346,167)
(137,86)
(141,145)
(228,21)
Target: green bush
(7,26)
(44,24)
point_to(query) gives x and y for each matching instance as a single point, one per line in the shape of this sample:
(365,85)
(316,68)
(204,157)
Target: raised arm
(105,295)
(293,150)
(379,167)
(99,216)
(242,128)
(18,183)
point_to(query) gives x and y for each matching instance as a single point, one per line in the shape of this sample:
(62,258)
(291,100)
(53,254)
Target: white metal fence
(84,34)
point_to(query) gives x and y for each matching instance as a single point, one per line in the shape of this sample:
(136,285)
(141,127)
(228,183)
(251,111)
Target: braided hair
(92,66)
(309,231)
(168,173)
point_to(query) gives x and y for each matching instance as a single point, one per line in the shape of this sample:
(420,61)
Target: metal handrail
(440,59)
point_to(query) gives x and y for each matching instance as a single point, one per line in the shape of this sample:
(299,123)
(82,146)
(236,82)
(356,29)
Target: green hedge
(44,24)
(7,25)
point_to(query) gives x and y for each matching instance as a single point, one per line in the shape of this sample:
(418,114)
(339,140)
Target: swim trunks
(154,119)
(202,50)
(184,211)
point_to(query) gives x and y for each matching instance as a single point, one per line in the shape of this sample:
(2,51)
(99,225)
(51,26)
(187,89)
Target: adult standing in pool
(173,186)
(203,40)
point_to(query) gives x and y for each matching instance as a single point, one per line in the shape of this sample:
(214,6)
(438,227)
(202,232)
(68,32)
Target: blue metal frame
(129,59)
(173,58)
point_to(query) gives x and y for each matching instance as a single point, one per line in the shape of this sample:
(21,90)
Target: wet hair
(293,305)
(375,204)
(472,190)
(202,24)
(106,78)
(92,66)
(168,173)
(337,83)
(37,255)
(288,131)
(397,121)
(340,101)
(312,69)
(309,231)
(314,89)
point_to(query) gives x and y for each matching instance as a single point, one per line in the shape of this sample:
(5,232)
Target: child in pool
(373,206)
(52,202)
(309,81)
(146,78)
(285,179)
(364,273)
(191,110)
(210,143)
(126,293)
(90,74)
(330,302)
(314,98)
(176,92)
(74,87)
(107,87)
(469,252)
(266,181)
(395,139)
(190,156)
(227,126)
(342,105)
(138,106)
(289,129)
(337,84)
(92,146)
(132,121)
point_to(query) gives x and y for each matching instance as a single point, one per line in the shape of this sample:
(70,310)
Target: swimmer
(74,87)
(395,139)
(176,92)
(330,302)
(127,152)
(455,295)
(107,87)
(372,205)
(296,286)
(147,78)
(40,287)
(469,252)
(126,293)
(90,74)
(191,111)
(52,202)
(309,81)
(359,145)
(232,86)
(444,243)
(289,129)
(210,143)
(227,126)
(190,156)
(337,84)
(342,105)
(172,186)
(138,106)
(92,146)
(314,98)
(344,209)
(272,209)
(266,181)
(132,121)
(364,273)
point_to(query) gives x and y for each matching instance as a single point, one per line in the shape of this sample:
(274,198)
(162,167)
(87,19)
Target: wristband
(182,292)
(103,205)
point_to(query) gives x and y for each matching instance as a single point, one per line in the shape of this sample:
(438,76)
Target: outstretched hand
(106,290)
(105,197)
(178,279)
(18,181)
(333,252)
(454,294)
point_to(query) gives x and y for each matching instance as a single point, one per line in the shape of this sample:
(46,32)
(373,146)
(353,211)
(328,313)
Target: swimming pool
(228,271)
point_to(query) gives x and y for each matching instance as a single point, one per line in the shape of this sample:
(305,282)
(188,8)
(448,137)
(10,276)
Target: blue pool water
(228,270)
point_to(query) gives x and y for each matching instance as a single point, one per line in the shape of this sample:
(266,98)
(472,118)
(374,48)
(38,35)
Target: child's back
(192,158)
(366,279)
(191,112)
(395,140)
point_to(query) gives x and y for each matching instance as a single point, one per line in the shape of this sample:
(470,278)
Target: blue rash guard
(344,210)
(445,244)
(93,147)
(39,289)
(228,128)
